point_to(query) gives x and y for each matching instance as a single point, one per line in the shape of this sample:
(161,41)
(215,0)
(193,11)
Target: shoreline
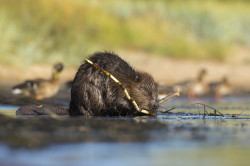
(164,70)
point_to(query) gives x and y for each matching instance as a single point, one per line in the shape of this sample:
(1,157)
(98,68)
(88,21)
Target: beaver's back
(94,93)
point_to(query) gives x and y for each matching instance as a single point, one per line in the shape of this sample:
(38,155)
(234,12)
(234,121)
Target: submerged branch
(165,110)
(236,115)
(216,112)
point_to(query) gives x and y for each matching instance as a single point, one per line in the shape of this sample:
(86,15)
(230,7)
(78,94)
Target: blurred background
(197,46)
(171,39)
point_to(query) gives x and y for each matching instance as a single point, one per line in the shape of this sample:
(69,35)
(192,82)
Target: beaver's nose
(155,105)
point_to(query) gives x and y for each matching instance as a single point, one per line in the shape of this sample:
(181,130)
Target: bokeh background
(184,35)
(170,39)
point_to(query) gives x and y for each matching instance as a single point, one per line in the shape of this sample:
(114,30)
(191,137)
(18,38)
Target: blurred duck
(199,86)
(193,88)
(221,88)
(40,88)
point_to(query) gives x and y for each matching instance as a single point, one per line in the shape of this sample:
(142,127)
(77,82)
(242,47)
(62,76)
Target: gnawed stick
(54,115)
(51,113)
(166,110)
(205,111)
(170,96)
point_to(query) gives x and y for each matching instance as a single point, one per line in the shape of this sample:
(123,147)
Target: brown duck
(193,88)
(40,88)
(198,86)
(221,88)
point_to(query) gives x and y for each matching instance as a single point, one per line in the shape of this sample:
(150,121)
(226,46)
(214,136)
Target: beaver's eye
(137,78)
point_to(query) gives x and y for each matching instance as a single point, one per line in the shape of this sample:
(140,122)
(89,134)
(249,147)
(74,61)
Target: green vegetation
(46,31)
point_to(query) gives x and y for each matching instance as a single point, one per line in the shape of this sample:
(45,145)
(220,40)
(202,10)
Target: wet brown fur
(94,93)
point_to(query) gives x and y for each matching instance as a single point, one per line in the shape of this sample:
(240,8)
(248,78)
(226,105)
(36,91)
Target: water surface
(184,137)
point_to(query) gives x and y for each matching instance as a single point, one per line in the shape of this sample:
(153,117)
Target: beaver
(95,94)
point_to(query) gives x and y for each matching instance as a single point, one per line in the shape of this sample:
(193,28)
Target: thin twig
(206,112)
(47,112)
(53,115)
(236,115)
(166,110)
(170,96)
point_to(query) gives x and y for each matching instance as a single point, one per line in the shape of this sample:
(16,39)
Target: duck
(40,88)
(199,86)
(193,87)
(221,88)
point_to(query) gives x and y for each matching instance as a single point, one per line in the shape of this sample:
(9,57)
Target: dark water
(187,139)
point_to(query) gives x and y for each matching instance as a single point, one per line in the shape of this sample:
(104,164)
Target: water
(189,140)
(8,110)
(110,154)
(223,142)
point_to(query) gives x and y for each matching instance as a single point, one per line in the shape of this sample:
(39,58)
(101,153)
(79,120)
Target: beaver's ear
(137,78)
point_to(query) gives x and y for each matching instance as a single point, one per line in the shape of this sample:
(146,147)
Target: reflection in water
(188,140)
(8,110)
(109,154)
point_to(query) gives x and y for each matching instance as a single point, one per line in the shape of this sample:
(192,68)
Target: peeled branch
(169,96)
